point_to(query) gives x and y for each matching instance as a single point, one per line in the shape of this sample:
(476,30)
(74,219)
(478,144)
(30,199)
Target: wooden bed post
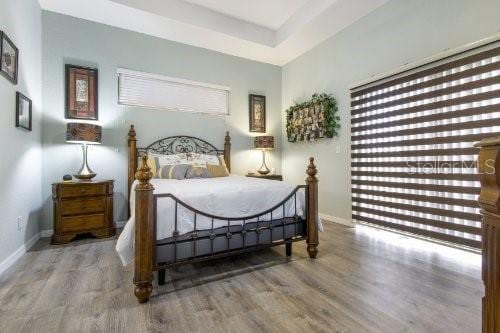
(312,209)
(227,151)
(488,166)
(144,242)
(132,161)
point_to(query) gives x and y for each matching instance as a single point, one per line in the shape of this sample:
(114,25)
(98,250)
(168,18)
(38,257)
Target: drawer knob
(82,190)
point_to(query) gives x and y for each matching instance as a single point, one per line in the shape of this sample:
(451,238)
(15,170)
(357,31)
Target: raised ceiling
(270,14)
(271,31)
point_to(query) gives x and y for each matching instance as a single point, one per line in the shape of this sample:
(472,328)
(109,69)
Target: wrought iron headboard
(173,145)
(180,144)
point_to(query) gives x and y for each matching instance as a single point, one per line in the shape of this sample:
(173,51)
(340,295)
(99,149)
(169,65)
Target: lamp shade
(83,133)
(264,142)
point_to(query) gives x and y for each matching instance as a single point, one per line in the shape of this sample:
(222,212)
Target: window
(412,157)
(162,92)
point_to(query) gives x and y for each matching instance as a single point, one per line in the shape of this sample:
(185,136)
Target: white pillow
(198,159)
(162,160)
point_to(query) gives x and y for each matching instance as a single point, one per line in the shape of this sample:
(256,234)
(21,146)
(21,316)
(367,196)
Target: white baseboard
(10,260)
(336,219)
(46,233)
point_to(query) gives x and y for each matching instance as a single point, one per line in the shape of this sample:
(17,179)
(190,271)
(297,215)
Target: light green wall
(397,33)
(20,164)
(70,40)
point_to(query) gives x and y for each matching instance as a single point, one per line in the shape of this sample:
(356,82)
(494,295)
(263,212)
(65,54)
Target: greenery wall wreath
(313,119)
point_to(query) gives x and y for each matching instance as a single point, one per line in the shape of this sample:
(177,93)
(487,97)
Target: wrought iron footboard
(254,224)
(145,244)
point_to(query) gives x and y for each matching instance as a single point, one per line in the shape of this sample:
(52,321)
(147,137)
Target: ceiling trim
(196,15)
(192,24)
(305,15)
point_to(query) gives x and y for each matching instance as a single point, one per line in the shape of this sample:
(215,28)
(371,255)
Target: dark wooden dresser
(82,207)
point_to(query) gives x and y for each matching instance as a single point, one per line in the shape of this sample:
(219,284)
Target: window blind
(413,164)
(163,92)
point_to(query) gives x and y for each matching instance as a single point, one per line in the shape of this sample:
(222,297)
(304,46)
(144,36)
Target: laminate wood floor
(364,280)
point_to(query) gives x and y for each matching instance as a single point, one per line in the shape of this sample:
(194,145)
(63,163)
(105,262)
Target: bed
(174,222)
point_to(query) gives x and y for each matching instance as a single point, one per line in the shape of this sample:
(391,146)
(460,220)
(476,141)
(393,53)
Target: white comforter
(233,196)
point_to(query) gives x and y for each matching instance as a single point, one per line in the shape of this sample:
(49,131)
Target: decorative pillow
(152,164)
(218,170)
(197,163)
(202,159)
(156,161)
(177,171)
(197,172)
(171,159)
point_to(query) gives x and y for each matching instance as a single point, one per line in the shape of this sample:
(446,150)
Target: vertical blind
(412,157)
(167,93)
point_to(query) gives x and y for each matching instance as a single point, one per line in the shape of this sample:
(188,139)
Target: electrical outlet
(19,223)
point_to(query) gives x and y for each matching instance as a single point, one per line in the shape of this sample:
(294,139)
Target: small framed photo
(23,111)
(257,113)
(10,58)
(81,93)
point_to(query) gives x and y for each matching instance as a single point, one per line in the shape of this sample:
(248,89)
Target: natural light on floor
(424,247)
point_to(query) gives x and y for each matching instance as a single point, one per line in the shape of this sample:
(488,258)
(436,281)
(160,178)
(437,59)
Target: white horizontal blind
(412,157)
(162,92)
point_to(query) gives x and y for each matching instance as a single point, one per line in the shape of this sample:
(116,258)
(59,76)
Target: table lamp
(264,143)
(84,134)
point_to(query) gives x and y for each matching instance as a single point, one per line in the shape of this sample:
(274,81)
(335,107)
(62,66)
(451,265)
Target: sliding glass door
(412,155)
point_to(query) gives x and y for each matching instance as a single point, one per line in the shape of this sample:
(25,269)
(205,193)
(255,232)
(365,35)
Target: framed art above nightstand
(81,92)
(270,177)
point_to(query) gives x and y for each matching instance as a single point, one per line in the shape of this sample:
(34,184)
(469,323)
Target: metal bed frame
(254,233)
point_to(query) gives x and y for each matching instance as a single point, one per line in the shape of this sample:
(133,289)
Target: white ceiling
(270,14)
(271,31)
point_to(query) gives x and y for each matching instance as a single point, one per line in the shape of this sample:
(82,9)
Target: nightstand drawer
(83,206)
(82,190)
(83,222)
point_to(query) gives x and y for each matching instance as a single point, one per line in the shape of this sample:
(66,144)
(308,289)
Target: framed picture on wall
(23,111)
(81,93)
(10,58)
(257,113)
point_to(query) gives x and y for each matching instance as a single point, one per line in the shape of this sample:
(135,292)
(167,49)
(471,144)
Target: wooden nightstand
(270,177)
(82,207)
